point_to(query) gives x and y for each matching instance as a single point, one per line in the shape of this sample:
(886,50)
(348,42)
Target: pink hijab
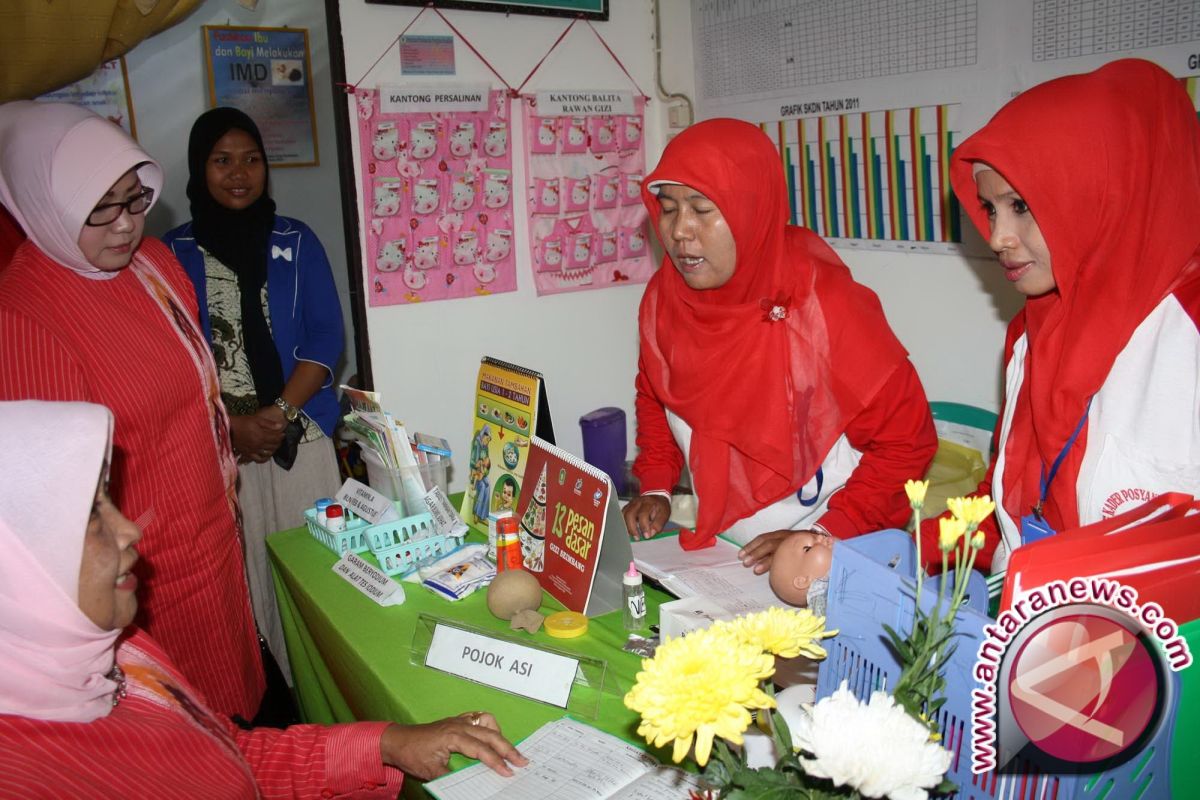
(56,162)
(53,659)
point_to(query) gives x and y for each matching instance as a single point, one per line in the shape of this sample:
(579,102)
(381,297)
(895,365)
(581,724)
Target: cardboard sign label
(412,99)
(510,667)
(369,580)
(366,502)
(445,520)
(573,101)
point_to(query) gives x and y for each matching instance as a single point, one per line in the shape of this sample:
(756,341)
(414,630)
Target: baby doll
(800,570)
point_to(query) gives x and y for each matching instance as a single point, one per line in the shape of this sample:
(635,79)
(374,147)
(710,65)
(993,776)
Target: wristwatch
(290,412)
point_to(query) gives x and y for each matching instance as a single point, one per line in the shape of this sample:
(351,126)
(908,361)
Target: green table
(350,658)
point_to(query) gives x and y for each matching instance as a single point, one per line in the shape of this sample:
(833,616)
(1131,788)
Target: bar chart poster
(875,180)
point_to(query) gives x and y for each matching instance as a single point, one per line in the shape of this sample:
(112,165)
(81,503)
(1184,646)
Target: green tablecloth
(350,658)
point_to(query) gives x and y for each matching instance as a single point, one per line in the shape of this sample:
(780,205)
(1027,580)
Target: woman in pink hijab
(92,311)
(92,708)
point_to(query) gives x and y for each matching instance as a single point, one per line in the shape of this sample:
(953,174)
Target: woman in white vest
(1088,189)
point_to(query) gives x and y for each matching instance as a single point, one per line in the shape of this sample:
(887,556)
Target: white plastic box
(407,485)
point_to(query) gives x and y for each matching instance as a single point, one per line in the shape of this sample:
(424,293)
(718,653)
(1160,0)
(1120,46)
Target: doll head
(802,559)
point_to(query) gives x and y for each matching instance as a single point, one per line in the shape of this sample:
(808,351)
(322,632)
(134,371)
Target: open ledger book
(714,573)
(569,760)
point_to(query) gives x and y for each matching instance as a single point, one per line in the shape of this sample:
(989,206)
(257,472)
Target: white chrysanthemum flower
(875,748)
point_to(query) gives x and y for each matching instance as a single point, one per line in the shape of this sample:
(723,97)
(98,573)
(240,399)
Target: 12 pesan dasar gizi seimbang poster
(437,192)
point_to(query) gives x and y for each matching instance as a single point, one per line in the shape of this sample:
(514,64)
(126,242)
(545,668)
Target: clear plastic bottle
(633,596)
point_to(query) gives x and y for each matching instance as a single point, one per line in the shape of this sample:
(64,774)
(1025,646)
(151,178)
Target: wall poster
(585,158)
(105,91)
(437,192)
(267,73)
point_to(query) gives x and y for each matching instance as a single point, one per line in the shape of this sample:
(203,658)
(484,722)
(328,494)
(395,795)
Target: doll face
(604,133)
(111,247)
(1015,237)
(576,135)
(550,195)
(609,191)
(633,130)
(546,133)
(696,237)
(608,245)
(236,170)
(799,560)
(553,253)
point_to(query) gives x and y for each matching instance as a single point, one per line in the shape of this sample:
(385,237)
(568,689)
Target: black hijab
(239,240)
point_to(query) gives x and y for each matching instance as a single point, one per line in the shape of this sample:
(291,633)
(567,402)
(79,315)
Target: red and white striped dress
(161,740)
(113,342)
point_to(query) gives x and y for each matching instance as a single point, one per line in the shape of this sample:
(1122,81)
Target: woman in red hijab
(763,364)
(1088,188)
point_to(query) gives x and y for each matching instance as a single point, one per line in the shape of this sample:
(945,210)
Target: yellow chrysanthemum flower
(700,686)
(951,530)
(977,540)
(916,493)
(784,632)
(971,510)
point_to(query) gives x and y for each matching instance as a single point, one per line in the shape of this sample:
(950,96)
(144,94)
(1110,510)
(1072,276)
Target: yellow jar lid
(566,624)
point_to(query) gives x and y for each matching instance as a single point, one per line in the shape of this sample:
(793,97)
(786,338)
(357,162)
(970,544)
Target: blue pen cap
(323,504)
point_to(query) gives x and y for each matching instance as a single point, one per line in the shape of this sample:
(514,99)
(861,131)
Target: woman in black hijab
(269,308)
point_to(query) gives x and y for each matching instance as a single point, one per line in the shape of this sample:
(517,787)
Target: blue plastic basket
(352,540)
(870,583)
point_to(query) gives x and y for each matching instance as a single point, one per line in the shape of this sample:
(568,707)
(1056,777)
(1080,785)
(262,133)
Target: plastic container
(398,545)
(407,485)
(870,583)
(604,442)
(633,600)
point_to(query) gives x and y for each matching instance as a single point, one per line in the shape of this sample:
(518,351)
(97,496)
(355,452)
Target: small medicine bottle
(633,595)
(335,519)
(320,506)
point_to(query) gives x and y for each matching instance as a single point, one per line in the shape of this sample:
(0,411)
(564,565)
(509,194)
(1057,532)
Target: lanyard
(1048,479)
(812,501)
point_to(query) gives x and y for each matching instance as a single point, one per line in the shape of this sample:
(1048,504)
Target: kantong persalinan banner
(437,192)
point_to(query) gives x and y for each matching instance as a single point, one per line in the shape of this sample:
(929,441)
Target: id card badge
(1034,528)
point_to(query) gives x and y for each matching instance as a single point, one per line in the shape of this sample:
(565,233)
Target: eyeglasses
(109,212)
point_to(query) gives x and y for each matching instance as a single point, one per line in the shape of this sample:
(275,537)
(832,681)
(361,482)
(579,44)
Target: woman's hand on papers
(423,751)
(645,516)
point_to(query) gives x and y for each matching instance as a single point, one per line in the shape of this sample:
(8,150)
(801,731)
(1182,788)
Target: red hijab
(766,399)
(1109,165)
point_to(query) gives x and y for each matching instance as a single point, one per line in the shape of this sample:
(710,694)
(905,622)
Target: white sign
(371,581)
(410,99)
(445,519)
(511,667)
(574,101)
(366,502)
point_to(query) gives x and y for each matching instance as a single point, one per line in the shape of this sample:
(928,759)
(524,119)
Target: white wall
(949,311)
(425,356)
(168,84)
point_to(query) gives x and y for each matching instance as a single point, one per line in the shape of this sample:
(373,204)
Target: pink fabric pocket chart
(584,163)
(437,193)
